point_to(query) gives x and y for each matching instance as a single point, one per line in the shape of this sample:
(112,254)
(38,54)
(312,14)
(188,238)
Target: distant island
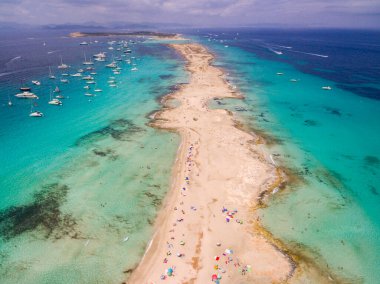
(137,33)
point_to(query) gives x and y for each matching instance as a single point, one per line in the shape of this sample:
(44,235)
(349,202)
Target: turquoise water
(330,140)
(89,173)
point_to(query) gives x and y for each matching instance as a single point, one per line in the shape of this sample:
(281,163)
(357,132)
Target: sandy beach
(206,226)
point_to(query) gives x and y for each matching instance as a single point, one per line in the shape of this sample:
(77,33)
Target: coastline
(218,166)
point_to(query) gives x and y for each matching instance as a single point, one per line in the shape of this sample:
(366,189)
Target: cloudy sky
(295,13)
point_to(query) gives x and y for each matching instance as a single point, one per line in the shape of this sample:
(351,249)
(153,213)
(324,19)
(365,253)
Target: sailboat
(51,76)
(54,102)
(85,62)
(35,113)
(63,65)
(57,90)
(9,101)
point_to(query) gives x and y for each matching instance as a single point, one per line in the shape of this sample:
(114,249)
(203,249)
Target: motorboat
(26,95)
(327,88)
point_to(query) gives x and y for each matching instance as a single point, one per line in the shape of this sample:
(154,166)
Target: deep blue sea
(76,182)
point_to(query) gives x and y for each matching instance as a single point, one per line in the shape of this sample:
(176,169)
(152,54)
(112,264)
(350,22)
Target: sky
(199,13)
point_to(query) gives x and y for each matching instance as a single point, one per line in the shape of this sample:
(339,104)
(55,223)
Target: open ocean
(78,181)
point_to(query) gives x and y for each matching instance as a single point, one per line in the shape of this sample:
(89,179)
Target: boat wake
(308,53)
(12,60)
(53,51)
(275,51)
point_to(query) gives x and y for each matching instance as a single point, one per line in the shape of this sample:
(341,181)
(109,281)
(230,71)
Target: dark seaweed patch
(333,111)
(373,190)
(105,153)
(42,215)
(155,200)
(120,129)
(309,122)
(166,76)
(367,92)
(372,161)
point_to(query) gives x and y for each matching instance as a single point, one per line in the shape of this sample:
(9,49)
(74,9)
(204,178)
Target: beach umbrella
(214,277)
(170,271)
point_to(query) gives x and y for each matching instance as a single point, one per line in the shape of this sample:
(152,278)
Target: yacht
(88,77)
(60,97)
(63,66)
(98,90)
(76,75)
(65,74)
(64,80)
(112,65)
(88,95)
(36,83)
(101,55)
(84,43)
(279,73)
(24,88)
(328,88)
(55,102)
(26,95)
(36,114)
(90,82)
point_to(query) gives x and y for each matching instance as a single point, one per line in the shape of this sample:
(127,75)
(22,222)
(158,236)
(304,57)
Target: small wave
(308,53)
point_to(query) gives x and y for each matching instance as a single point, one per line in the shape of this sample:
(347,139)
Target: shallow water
(75,183)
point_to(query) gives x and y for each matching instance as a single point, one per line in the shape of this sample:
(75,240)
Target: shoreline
(195,238)
(237,181)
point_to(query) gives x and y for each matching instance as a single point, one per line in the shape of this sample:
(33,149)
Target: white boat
(86,87)
(100,59)
(51,76)
(65,74)
(90,82)
(80,70)
(112,85)
(279,73)
(116,72)
(63,66)
(9,101)
(85,62)
(88,77)
(84,43)
(134,69)
(57,90)
(111,65)
(93,73)
(125,239)
(293,80)
(328,88)
(101,55)
(88,95)
(54,102)
(64,80)
(60,97)
(36,83)
(36,114)
(26,95)
(76,75)
(98,90)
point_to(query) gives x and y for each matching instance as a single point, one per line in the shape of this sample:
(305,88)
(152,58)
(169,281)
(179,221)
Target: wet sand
(206,225)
